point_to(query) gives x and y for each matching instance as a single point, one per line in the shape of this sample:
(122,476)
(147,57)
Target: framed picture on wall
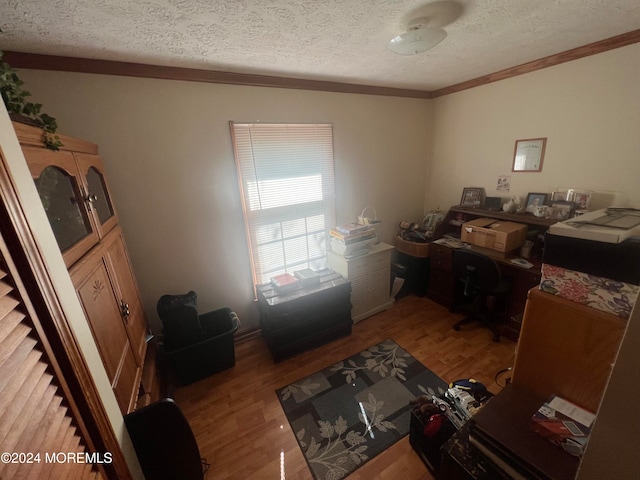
(472,197)
(528,155)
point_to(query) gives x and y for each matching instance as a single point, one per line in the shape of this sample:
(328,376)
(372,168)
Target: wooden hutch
(73,188)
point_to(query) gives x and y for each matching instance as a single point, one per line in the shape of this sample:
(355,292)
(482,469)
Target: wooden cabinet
(126,289)
(370,277)
(73,189)
(566,349)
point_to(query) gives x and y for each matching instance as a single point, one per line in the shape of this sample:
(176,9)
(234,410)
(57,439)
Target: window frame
(251,144)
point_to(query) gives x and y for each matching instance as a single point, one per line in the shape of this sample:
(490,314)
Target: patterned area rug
(348,413)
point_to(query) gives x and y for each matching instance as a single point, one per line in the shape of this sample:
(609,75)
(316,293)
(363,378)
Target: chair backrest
(179,316)
(479,272)
(164,442)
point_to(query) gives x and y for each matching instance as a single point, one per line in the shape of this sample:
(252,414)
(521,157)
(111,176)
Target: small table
(307,317)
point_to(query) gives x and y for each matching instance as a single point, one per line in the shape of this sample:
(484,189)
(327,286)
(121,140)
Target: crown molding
(107,67)
(612,43)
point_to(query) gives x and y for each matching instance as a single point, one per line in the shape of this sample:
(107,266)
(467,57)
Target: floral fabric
(607,295)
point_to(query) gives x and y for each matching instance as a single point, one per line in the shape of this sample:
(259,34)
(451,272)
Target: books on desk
(450,242)
(307,277)
(357,241)
(285,283)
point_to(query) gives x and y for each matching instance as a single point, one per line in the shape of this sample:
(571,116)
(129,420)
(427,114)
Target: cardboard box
(494,234)
(563,424)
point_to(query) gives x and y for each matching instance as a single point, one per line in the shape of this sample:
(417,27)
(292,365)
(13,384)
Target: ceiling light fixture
(418,38)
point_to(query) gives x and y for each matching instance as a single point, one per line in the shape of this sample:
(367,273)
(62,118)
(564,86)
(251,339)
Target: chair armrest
(219,322)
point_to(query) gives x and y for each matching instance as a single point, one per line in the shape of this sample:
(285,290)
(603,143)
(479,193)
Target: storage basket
(414,249)
(364,219)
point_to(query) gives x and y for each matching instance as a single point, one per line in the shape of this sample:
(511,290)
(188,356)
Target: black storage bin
(415,272)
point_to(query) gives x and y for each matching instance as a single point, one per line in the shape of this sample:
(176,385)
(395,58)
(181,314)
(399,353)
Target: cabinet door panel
(101,308)
(61,191)
(99,197)
(125,388)
(379,286)
(359,295)
(127,291)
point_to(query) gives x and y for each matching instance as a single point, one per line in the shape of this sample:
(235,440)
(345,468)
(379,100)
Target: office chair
(164,442)
(480,281)
(193,345)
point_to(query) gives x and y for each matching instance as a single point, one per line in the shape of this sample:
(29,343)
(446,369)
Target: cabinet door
(97,192)
(100,303)
(127,292)
(360,296)
(61,191)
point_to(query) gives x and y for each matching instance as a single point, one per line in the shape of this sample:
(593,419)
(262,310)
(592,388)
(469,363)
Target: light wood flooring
(243,433)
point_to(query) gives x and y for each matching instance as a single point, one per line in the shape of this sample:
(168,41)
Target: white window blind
(288,194)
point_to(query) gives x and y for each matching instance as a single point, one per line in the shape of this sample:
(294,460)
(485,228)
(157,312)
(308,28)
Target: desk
(442,284)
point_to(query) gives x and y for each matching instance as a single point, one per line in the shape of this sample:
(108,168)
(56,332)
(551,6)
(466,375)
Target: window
(288,194)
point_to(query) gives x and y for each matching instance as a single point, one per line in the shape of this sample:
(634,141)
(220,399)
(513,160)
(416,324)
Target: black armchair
(482,288)
(195,346)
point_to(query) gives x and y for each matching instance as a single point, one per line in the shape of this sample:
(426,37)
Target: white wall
(168,154)
(589,110)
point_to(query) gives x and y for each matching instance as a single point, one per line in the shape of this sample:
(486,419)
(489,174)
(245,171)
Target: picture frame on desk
(563,209)
(581,198)
(535,200)
(561,196)
(472,197)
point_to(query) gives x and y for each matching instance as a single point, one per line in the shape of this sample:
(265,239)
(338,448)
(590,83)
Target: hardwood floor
(243,433)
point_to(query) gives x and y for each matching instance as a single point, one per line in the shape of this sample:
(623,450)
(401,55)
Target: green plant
(16,100)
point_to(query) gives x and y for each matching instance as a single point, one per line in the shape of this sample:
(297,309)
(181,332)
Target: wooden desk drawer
(442,287)
(441,257)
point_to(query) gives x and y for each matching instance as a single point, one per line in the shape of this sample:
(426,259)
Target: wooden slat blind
(34,419)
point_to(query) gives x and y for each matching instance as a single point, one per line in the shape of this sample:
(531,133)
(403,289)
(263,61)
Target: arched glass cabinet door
(61,191)
(97,193)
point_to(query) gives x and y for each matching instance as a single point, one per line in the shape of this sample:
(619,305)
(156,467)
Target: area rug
(348,413)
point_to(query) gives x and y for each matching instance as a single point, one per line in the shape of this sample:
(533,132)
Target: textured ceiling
(333,40)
